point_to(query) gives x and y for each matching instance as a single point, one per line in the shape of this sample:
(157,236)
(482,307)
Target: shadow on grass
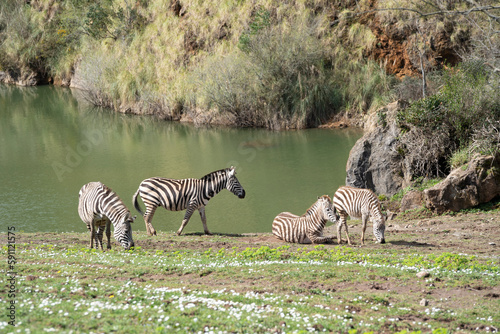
(232,235)
(410,243)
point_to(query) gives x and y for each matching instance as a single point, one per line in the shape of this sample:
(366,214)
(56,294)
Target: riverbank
(255,283)
(240,62)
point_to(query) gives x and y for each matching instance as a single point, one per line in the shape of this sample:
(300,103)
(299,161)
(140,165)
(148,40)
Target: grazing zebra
(359,203)
(307,228)
(98,207)
(185,194)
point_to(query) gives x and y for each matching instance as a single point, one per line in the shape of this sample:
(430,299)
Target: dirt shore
(471,233)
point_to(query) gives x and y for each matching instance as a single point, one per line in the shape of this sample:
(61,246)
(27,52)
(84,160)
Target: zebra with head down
(307,228)
(98,207)
(359,203)
(184,194)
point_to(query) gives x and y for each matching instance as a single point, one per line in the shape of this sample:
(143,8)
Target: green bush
(466,100)
(444,129)
(459,158)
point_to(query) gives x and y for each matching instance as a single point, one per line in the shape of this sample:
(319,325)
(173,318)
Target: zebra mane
(313,207)
(211,175)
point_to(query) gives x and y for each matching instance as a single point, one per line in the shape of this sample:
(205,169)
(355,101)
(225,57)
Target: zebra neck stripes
(216,181)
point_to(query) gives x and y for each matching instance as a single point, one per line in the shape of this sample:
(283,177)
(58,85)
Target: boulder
(412,200)
(466,187)
(374,161)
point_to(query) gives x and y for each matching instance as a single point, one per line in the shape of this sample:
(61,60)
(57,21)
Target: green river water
(52,142)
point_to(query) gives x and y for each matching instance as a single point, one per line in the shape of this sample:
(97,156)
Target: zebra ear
(231,172)
(133,218)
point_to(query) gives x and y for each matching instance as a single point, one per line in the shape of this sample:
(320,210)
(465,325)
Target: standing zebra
(359,203)
(98,206)
(185,194)
(307,228)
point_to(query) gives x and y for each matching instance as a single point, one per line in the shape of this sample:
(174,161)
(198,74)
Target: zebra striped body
(185,194)
(98,207)
(307,228)
(359,203)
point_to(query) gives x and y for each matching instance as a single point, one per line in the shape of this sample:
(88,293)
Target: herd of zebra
(99,206)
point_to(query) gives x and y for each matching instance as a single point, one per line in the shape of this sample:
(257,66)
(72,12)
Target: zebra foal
(98,207)
(307,228)
(185,194)
(359,203)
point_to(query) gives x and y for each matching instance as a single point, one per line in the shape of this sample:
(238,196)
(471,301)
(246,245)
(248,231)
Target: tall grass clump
(276,79)
(96,71)
(364,84)
(42,37)
(19,37)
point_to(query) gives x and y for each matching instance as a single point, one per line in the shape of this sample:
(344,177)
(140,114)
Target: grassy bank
(254,283)
(264,63)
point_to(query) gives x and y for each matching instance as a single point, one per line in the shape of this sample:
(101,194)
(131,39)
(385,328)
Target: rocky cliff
(374,161)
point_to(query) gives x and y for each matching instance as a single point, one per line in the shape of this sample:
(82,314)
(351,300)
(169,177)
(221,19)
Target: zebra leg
(347,233)
(339,229)
(342,222)
(364,218)
(204,220)
(148,217)
(108,233)
(92,231)
(100,230)
(187,216)
(319,239)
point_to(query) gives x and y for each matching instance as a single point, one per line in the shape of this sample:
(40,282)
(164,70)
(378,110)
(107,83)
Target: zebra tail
(136,203)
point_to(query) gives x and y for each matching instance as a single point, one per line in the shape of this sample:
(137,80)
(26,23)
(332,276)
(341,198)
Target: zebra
(307,228)
(98,207)
(359,203)
(185,194)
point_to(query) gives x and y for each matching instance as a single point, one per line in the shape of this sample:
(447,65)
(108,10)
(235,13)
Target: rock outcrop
(374,161)
(466,188)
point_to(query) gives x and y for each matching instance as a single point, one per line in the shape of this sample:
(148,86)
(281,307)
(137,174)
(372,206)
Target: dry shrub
(486,139)
(426,152)
(92,72)
(410,88)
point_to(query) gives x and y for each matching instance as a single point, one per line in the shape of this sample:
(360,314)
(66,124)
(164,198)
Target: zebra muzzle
(241,194)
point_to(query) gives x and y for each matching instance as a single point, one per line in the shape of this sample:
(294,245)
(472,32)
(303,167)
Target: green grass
(420,184)
(259,289)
